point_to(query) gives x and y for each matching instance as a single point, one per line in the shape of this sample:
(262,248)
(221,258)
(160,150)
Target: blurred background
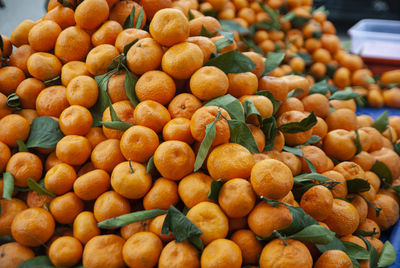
(343,13)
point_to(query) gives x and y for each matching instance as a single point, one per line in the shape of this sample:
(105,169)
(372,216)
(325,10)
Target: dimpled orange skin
(145,55)
(333,258)
(208,83)
(9,209)
(85,227)
(37,222)
(90,14)
(107,154)
(138,143)
(210,219)
(156,86)
(43,36)
(28,90)
(271,178)
(10,78)
(82,90)
(65,251)
(184,105)
(13,127)
(60,179)
(237,198)
(73,149)
(343,219)
(194,188)
(130,180)
(110,204)
(206,115)
(99,58)
(104,251)
(52,101)
(13,254)
(182,60)
(296,138)
(316,198)
(176,167)
(221,253)
(265,218)
(169,27)
(151,114)
(44,66)
(73,44)
(179,255)
(107,33)
(142,250)
(23,166)
(129,35)
(65,208)
(91,185)
(76,120)
(229,161)
(162,195)
(295,254)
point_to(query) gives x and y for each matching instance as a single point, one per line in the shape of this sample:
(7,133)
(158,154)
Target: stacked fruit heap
(143,135)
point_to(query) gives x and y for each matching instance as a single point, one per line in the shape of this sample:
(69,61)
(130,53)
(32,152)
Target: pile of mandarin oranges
(210,134)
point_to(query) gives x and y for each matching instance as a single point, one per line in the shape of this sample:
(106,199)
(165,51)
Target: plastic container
(378,43)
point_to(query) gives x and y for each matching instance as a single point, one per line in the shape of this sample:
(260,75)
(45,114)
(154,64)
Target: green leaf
(13,101)
(119,125)
(361,232)
(273,14)
(396,147)
(299,152)
(66,3)
(312,140)
(190,15)
(268,127)
(8,185)
(232,62)
(373,253)
(139,19)
(214,190)
(210,12)
(382,122)
(344,95)
(128,46)
(306,177)
(296,127)
(196,241)
(34,186)
(130,218)
(270,96)
(4,239)
(130,19)
(37,262)
(22,147)
(357,185)
(211,132)
(321,88)
(151,167)
(177,223)
(45,133)
(130,85)
(298,22)
(103,100)
(231,25)
(288,16)
(53,82)
(251,45)
(355,251)
(316,234)
(388,255)
(295,92)
(250,109)
(383,172)
(230,104)
(357,142)
(336,243)
(224,42)
(273,60)
(241,134)
(206,33)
